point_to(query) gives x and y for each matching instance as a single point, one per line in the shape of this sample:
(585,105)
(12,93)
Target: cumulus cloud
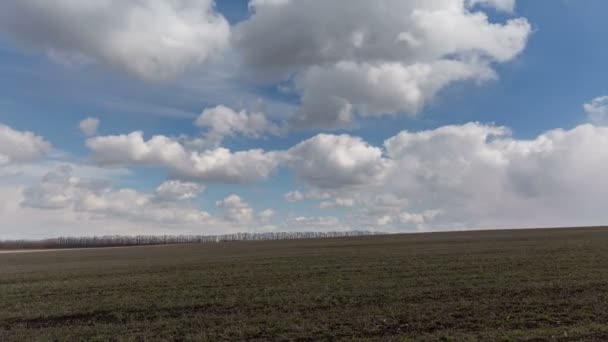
(338,202)
(379,58)
(417,220)
(222,165)
(294,196)
(221,122)
(20,221)
(62,202)
(152,39)
(375,89)
(329,199)
(238,212)
(132,148)
(89,126)
(178,190)
(597,110)
(215,165)
(484,176)
(479,176)
(452,177)
(310,195)
(266,215)
(61,189)
(336,161)
(235,209)
(18,147)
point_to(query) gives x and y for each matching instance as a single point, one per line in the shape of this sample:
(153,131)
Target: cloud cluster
(152,39)
(177,190)
(380,58)
(366,59)
(325,196)
(235,209)
(89,126)
(452,177)
(338,202)
(477,176)
(323,160)
(336,160)
(215,165)
(386,57)
(332,95)
(75,204)
(18,147)
(61,189)
(469,175)
(221,122)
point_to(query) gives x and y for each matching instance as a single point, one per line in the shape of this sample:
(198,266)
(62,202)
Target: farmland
(543,284)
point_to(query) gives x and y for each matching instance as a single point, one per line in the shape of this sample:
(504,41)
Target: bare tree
(143,240)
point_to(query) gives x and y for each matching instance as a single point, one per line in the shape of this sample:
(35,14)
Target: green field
(489,285)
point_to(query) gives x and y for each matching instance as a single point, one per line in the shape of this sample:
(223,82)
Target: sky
(203,117)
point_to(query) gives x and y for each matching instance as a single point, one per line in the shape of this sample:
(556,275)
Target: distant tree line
(147,240)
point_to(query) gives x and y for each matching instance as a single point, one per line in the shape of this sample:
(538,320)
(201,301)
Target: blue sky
(543,72)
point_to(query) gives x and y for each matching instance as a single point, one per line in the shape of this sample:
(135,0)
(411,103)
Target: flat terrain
(490,285)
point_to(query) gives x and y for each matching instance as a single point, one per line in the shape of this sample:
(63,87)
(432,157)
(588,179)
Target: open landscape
(543,284)
(303,170)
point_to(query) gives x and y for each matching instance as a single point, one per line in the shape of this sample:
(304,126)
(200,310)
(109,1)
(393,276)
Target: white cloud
(337,203)
(222,165)
(597,110)
(19,174)
(152,39)
(458,177)
(178,190)
(294,196)
(380,58)
(58,189)
(336,161)
(18,147)
(418,220)
(216,165)
(235,209)
(19,221)
(238,212)
(452,177)
(221,122)
(132,148)
(479,176)
(266,215)
(63,203)
(89,126)
(313,194)
(375,89)
(61,189)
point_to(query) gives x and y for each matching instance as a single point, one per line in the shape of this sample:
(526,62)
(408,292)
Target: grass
(549,284)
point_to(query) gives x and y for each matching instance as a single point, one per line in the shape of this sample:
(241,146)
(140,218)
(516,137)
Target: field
(549,284)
